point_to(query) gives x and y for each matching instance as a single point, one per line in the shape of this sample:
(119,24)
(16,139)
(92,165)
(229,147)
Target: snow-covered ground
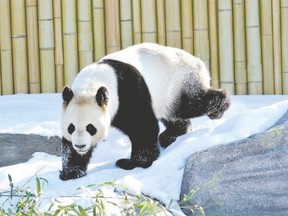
(41,114)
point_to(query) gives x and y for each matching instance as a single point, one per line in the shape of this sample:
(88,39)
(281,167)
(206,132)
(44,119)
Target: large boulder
(248,177)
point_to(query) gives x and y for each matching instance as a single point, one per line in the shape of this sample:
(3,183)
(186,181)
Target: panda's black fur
(136,118)
(74,165)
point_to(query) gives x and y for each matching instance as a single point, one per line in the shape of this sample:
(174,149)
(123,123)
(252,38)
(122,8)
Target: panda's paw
(129,164)
(165,140)
(71,173)
(218,103)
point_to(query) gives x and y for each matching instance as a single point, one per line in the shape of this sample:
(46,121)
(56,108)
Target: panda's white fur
(165,70)
(169,84)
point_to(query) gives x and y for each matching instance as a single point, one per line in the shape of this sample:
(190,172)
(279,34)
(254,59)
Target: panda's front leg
(74,165)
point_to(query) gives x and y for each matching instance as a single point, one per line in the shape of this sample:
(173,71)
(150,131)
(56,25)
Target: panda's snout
(80,146)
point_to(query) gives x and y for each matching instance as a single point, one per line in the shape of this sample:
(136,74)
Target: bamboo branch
(239,47)
(161,30)
(99,29)
(19,46)
(58,45)
(255,80)
(70,40)
(137,21)
(6,48)
(267,46)
(226,56)
(112,21)
(213,39)
(149,29)
(284,46)
(277,46)
(85,41)
(46,45)
(126,23)
(201,35)
(173,23)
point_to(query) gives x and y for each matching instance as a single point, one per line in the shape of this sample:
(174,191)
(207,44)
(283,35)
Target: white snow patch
(40,114)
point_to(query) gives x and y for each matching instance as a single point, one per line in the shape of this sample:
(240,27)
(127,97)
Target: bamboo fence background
(44,43)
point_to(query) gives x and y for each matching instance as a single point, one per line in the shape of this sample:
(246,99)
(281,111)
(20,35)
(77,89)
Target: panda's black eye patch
(91,129)
(71,128)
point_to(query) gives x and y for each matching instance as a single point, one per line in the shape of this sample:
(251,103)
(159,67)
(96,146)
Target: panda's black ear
(102,96)
(67,94)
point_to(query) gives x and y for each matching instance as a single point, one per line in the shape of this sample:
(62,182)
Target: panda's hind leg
(174,129)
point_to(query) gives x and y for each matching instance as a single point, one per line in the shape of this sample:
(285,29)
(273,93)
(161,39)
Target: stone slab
(247,177)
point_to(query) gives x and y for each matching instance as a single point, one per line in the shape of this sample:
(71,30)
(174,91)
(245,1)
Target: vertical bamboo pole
(284,28)
(226,57)
(149,28)
(187,25)
(213,42)
(19,46)
(33,46)
(239,47)
(277,46)
(173,23)
(253,47)
(0,63)
(46,44)
(85,41)
(112,21)
(126,23)
(137,21)
(6,48)
(160,11)
(99,29)
(267,46)
(70,40)
(201,35)
(58,45)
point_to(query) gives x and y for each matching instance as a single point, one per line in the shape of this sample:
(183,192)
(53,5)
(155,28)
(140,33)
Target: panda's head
(85,120)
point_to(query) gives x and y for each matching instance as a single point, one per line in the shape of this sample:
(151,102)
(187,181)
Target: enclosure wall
(44,43)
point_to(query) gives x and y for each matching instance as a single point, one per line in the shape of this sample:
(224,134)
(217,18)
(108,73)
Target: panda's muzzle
(80,146)
(81,149)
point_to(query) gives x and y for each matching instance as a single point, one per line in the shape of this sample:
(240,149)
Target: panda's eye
(71,128)
(91,129)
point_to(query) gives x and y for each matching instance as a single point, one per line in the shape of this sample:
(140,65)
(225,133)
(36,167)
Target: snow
(41,114)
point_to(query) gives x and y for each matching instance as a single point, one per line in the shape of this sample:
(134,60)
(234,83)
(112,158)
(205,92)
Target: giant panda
(131,90)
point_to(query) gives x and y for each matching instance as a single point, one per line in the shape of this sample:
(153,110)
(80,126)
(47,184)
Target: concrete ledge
(18,148)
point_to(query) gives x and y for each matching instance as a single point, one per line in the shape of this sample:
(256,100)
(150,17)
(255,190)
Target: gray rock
(18,148)
(248,177)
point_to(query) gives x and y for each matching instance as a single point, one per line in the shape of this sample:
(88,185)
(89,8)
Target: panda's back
(166,72)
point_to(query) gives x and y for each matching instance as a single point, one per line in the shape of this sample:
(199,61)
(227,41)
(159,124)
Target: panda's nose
(80,146)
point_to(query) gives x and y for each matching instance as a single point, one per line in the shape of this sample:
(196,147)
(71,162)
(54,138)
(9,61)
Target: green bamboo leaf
(38,191)
(143,209)
(82,211)
(56,212)
(10,178)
